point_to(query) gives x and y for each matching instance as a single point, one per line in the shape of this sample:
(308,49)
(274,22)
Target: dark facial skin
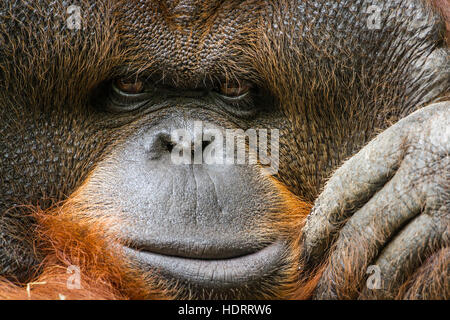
(315,72)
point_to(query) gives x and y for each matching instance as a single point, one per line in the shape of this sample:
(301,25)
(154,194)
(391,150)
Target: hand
(387,206)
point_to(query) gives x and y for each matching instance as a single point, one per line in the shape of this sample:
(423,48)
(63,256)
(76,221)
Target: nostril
(170,145)
(205,144)
(159,145)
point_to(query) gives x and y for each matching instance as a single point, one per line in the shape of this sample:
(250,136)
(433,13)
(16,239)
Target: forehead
(189,38)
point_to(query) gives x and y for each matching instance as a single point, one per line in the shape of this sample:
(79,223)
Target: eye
(129,87)
(237,98)
(126,95)
(235,90)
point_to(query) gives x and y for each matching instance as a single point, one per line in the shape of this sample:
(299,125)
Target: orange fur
(69,237)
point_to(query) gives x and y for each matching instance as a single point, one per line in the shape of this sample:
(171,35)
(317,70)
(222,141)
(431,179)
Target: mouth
(233,271)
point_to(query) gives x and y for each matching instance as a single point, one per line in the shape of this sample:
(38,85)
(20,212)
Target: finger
(363,235)
(430,282)
(406,252)
(359,179)
(410,192)
(352,185)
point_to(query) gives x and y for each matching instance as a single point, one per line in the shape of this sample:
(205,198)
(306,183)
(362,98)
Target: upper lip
(230,271)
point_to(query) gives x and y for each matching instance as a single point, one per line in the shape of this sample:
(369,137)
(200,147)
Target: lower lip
(237,271)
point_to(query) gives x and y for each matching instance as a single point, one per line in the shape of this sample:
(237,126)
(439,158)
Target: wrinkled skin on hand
(387,206)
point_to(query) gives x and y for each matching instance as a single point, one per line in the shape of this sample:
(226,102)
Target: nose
(175,137)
